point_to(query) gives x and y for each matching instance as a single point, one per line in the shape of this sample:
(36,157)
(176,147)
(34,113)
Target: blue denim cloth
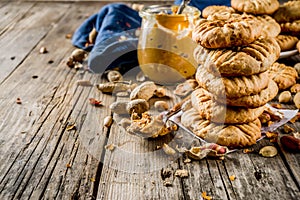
(114,22)
(201,4)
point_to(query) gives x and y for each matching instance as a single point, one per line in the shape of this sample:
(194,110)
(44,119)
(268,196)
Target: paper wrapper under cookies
(287,116)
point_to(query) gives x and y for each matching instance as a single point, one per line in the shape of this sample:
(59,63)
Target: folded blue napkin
(116,42)
(201,4)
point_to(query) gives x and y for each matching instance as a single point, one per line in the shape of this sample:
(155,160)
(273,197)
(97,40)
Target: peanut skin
(290,143)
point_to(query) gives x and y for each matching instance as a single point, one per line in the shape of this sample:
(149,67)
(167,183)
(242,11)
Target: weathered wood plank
(258,177)
(11,13)
(22,36)
(39,164)
(134,168)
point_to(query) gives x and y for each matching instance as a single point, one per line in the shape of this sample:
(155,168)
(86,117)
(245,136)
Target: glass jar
(165,47)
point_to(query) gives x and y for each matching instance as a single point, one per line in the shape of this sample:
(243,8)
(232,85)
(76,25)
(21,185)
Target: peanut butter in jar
(165,48)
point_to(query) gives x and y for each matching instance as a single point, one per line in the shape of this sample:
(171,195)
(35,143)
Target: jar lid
(168,10)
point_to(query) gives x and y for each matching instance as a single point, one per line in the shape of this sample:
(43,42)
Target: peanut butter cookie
(237,31)
(209,10)
(292,28)
(285,76)
(270,28)
(288,12)
(286,42)
(220,113)
(257,7)
(238,135)
(252,59)
(253,101)
(232,87)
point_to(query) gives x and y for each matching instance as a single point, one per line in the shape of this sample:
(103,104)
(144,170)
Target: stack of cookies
(233,69)
(288,16)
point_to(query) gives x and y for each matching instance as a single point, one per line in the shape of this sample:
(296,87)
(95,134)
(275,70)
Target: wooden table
(43,157)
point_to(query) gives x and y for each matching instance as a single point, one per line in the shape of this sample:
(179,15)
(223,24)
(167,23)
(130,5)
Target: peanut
(108,121)
(297,68)
(297,100)
(285,97)
(144,91)
(78,55)
(138,106)
(290,143)
(114,75)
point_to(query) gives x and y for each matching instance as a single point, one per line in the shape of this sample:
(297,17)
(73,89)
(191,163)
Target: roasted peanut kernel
(138,106)
(108,120)
(285,97)
(114,75)
(168,150)
(78,55)
(268,151)
(297,100)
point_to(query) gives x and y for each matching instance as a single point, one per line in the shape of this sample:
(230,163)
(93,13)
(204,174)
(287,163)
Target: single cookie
(238,135)
(253,101)
(288,12)
(209,10)
(231,87)
(286,42)
(220,113)
(292,28)
(284,76)
(257,7)
(255,58)
(270,28)
(236,31)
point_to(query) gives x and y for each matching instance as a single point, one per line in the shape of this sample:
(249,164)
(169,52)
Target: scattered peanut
(168,150)
(114,75)
(43,50)
(92,36)
(290,143)
(113,87)
(268,151)
(78,55)
(182,173)
(138,106)
(107,122)
(144,91)
(285,97)
(297,100)
(297,68)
